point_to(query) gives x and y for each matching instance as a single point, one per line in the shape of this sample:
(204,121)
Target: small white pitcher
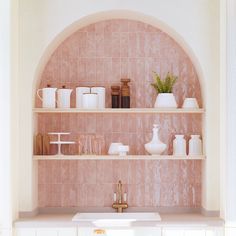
(63,97)
(48,97)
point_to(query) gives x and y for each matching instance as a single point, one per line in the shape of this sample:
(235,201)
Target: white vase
(179,145)
(195,145)
(165,100)
(155,147)
(63,97)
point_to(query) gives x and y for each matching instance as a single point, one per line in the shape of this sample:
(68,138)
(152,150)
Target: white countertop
(65,220)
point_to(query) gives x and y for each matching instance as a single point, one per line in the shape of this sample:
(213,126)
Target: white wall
(196,22)
(8,111)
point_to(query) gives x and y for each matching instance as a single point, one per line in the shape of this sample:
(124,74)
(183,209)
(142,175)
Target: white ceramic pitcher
(48,97)
(63,97)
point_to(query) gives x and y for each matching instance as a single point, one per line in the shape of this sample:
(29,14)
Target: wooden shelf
(110,157)
(121,110)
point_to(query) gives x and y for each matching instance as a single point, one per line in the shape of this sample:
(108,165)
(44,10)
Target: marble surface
(65,220)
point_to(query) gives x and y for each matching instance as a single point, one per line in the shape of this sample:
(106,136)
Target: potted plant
(165,97)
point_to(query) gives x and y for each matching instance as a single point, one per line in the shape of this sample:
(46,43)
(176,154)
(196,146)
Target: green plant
(165,85)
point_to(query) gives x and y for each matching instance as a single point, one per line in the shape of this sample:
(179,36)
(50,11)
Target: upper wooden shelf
(117,157)
(120,110)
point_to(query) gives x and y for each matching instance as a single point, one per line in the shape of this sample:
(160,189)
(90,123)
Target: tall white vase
(179,145)
(155,147)
(195,145)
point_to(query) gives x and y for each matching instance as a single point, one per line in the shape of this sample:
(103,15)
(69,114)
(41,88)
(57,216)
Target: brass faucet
(119,204)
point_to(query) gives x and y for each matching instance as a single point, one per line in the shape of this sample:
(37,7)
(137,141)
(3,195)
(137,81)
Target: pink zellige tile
(69,195)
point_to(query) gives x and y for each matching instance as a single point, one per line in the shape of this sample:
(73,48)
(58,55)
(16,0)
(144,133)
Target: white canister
(48,97)
(195,145)
(79,95)
(101,91)
(179,145)
(90,100)
(63,97)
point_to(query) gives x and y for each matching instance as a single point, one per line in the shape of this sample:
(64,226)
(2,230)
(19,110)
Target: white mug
(79,95)
(48,97)
(90,100)
(63,97)
(101,91)
(190,103)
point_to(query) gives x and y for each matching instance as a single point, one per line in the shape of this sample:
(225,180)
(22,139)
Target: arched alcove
(119,14)
(94,47)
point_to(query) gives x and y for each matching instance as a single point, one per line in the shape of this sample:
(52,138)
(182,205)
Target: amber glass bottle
(115,96)
(125,93)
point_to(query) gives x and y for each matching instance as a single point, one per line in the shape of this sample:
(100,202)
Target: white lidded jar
(101,92)
(179,145)
(195,145)
(79,95)
(48,97)
(63,97)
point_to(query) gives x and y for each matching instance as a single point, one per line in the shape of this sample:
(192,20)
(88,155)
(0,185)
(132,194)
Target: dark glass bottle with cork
(115,96)
(125,93)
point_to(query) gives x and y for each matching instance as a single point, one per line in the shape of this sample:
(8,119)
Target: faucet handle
(125,197)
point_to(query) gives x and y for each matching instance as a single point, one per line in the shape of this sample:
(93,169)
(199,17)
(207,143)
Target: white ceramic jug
(179,145)
(48,97)
(63,97)
(195,145)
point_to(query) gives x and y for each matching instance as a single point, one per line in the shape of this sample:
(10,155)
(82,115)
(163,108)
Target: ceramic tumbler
(79,95)
(90,100)
(48,97)
(101,92)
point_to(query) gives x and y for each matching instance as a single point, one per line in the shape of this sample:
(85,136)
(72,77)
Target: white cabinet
(5,232)
(193,232)
(67,232)
(25,232)
(148,231)
(46,231)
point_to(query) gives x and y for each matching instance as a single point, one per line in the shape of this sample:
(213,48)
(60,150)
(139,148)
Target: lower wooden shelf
(116,157)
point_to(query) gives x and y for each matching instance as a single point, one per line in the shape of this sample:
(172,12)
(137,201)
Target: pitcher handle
(39,94)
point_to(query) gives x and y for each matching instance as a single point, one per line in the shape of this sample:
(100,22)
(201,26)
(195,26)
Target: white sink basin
(116,219)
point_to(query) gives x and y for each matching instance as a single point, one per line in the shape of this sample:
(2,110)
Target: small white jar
(90,100)
(195,145)
(179,145)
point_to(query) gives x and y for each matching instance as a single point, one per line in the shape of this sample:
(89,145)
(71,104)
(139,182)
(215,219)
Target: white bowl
(114,148)
(190,103)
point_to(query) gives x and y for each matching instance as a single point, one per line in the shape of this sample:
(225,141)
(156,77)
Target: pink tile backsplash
(100,55)
(148,183)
